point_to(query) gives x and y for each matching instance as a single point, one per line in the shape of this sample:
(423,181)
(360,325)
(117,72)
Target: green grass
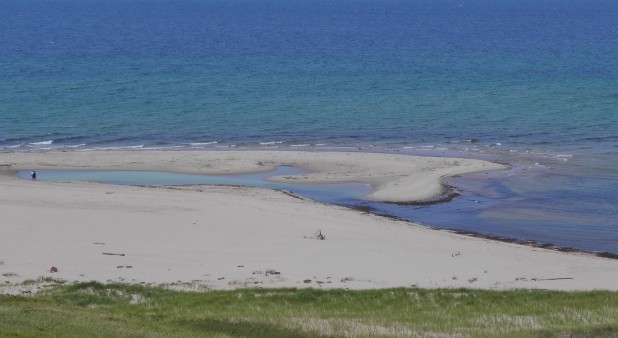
(97,310)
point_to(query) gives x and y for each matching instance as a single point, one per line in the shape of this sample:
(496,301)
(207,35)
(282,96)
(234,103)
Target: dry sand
(228,237)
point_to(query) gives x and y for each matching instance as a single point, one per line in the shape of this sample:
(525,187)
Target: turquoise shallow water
(337,193)
(529,83)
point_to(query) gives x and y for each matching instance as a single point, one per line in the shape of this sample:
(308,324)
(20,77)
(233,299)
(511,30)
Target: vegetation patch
(102,310)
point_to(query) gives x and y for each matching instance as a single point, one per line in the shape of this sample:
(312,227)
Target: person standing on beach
(33,175)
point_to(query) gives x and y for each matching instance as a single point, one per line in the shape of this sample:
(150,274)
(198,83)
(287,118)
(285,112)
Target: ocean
(530,83)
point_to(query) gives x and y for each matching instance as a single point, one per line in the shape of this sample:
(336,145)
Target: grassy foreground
(114,310)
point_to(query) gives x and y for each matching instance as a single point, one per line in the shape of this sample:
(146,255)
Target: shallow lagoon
(339,193)
(496,205)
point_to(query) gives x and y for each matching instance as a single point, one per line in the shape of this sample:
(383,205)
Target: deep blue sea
(530,83)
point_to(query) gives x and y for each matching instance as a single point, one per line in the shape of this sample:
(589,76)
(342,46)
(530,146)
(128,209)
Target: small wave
(424,147)
(200,144)
(64,126)
(155,147)
(565,158)
(73,145)
(15,146)
(537,164)
(75,138)
(472,140)
(140,146)
(27,138)
(300,145)
(271,143)
(42,143)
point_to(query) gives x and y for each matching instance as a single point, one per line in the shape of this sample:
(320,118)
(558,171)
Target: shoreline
(449,193)
(475,234)
(407,178)
(225,237)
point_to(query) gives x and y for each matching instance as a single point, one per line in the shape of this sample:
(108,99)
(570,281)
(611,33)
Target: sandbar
(226,237)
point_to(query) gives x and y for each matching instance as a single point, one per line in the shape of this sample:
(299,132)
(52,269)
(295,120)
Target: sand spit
(217,237)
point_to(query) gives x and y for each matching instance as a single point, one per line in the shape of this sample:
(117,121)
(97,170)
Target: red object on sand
(53,269)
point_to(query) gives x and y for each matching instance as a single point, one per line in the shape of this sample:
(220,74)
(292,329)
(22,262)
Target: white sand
(227,237)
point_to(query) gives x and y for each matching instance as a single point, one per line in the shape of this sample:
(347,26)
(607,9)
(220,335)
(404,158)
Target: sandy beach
(221,237)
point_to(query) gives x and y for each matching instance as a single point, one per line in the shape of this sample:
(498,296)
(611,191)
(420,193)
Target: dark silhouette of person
(33,175)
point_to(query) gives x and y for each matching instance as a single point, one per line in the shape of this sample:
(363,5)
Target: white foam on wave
(121,147)
(200,144)
(537,164)
(425,147)
(74,145)
(42,143)
(271,143)
(564,157)
(14,146)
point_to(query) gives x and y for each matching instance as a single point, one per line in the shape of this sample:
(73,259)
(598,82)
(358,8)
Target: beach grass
(104,310)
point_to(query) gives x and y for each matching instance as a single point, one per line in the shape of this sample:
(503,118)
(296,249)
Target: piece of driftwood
(271,272)
(559,278)
(112,254)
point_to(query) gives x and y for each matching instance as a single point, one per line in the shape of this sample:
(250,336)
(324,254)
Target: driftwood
(272,272)
(318,235)
(112,254)
(559,278)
